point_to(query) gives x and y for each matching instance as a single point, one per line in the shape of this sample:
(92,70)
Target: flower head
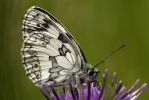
(93,90)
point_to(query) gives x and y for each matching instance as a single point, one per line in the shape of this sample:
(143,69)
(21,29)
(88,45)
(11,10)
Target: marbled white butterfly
(50,53)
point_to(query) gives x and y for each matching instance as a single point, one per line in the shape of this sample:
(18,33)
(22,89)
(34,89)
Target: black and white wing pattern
(49,52)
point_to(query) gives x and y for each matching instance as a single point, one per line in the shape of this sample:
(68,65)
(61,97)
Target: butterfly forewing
(49,52)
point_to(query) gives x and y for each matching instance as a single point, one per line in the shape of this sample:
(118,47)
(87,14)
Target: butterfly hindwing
(49,52)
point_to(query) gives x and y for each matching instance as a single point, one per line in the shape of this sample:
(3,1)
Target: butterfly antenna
(115,51)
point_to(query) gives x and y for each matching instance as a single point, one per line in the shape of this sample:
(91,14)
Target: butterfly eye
(90,73)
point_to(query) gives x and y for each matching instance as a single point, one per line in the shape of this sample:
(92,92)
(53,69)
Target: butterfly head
(90,73)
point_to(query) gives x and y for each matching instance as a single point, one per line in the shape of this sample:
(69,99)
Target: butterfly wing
(49,52)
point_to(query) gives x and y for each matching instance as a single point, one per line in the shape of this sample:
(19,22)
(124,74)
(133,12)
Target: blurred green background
(100,26)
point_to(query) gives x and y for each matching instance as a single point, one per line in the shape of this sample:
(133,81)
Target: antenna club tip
(125,43)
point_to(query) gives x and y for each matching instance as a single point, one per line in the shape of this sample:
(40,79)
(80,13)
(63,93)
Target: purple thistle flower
(93,90)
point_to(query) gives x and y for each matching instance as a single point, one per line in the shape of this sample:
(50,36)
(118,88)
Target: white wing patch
(49,52)
(63,61)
